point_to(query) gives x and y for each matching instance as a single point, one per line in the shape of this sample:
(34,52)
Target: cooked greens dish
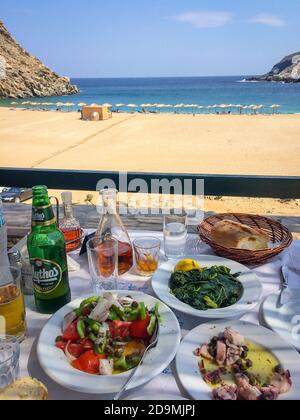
(208,288)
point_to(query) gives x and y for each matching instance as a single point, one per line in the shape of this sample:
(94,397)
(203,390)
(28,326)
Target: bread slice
(232,234)
(25,389)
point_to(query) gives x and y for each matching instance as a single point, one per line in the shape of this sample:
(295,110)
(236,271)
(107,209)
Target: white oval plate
(187,364)
(285,320)
(57,367)
(251,296)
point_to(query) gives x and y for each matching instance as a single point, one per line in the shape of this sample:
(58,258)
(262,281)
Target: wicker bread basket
(280,237)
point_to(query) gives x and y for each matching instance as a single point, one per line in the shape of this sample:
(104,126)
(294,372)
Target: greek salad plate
(58,367)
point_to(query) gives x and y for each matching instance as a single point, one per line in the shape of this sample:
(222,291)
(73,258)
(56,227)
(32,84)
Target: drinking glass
(147,251)
(175,235)
(12,306)
(9,360)
(103,263)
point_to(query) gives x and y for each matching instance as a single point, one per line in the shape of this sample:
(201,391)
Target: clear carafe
(111,226)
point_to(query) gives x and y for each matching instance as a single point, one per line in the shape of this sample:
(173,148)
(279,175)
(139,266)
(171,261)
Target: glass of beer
(103,263)
(12,306)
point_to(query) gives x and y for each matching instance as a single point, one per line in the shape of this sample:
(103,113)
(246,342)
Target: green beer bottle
(47,253)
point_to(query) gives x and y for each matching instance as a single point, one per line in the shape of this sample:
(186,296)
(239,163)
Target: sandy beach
(228,144)
(220,144)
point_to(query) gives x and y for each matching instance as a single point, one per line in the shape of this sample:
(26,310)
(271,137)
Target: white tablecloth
(164,384)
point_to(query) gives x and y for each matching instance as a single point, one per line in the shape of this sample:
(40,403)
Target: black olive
(249,363)
(244,354)
(240,363)
(236,368)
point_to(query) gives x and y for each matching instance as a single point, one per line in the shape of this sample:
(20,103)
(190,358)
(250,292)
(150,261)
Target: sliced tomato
(88,362)
(61,345)
(87,344)
(119,329)
(138,329)
(71,333)
(76,350)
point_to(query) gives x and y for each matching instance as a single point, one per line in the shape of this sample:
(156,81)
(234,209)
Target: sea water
(177,90)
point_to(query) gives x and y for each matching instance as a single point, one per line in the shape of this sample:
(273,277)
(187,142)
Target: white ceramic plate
(187,364)
(57,367)
(285,320)
(250,298)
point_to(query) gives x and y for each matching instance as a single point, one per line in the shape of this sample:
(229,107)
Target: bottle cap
(66,197)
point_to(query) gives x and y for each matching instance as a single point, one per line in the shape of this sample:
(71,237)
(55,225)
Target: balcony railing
(215,185)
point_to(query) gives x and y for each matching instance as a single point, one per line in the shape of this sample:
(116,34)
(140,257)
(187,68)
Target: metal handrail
(216,185)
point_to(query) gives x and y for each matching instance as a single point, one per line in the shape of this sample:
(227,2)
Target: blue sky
(135,38)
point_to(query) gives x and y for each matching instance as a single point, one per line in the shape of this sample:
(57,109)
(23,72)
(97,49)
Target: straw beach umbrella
(178,106)
(118,106)
(170,107)
(59,105)
(159,106)
(246,107)
(132,106)
(48,103)
(223,106)
(69,105)
(36,104)
(274,107)
(26,103)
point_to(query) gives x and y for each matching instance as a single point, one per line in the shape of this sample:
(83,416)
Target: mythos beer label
(47,275)
(42,216)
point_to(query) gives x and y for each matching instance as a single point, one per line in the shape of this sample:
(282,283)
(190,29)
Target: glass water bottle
(111,226)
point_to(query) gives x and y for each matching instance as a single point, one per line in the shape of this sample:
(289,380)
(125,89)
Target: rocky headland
(24,76)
